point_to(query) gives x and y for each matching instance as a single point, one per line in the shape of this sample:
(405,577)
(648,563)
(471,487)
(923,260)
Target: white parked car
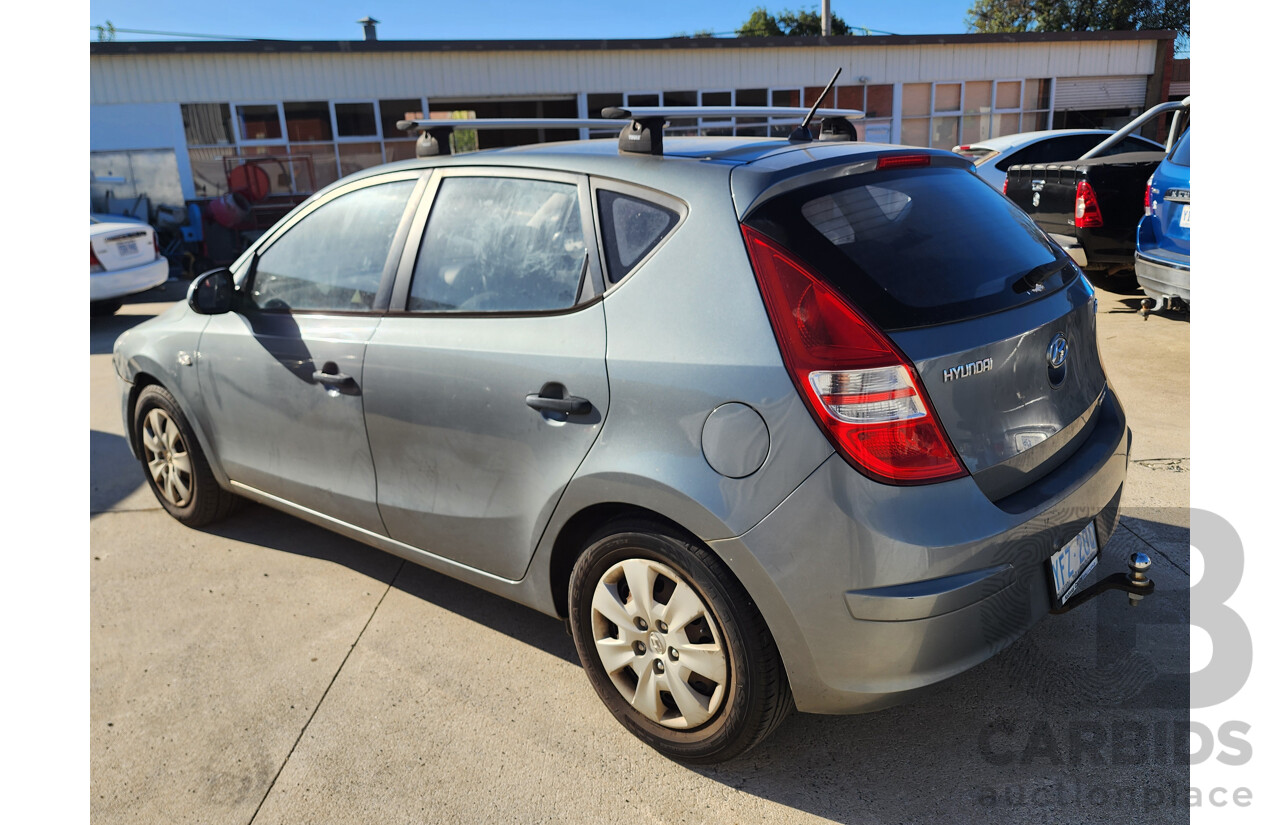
(124,259)
(994,156)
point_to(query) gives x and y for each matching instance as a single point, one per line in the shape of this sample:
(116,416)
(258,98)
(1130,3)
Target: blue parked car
(1163,258)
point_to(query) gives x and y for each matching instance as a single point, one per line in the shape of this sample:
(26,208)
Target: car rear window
(1182,152)
(914,247)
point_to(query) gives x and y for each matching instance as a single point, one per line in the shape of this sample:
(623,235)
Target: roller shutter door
(1076,93)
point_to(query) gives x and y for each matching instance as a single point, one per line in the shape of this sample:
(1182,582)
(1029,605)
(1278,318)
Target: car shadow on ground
(1040,715)
(114,474)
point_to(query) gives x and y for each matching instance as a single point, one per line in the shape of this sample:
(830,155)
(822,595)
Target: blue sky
(498,19)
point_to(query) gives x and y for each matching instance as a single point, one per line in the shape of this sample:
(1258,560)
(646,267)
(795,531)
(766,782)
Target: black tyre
(172,461)
(673,645)
(102,309)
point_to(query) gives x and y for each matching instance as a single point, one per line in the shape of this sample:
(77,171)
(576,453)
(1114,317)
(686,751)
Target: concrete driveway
(267,671)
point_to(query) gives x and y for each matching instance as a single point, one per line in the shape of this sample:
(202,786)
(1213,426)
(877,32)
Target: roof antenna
(802,133)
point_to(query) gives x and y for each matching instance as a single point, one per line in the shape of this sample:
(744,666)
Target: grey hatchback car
(772,424)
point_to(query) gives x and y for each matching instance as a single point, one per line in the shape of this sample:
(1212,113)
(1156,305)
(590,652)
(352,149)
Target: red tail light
(1004,190)
(901,161)
(1146,199)
(1087,211)
(95,265)
(860,388)
(155,243)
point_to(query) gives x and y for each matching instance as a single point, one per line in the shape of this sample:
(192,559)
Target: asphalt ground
(264,670)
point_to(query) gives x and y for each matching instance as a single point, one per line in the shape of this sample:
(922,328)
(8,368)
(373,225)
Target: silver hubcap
(659,643)
(167,457)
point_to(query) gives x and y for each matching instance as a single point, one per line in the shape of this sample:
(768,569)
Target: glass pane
(811,96)
(500,245)
(717,99)
(274,161)
(915,131)
(356,156)
(400,150)
(392,111)
(642,99)
(314,166)
(975,128)
(207,172)
(850,97)
(355,119)
(875,131)
(601,101)
(207,123)
(680,98)
(1035,121)
(1006,125)
(1036,95)
(977,97)
(258,122)
(785,97)
(915,99)
(752,97)
(333,259)
(880,101)
(308,120)
(946,132)
(631,228)
(946,97)
(1009,95)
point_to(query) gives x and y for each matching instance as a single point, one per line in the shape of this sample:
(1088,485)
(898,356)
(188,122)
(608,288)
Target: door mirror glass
(213,293)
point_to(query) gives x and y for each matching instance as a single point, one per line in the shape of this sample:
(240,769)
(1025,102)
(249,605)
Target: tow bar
(1135,583)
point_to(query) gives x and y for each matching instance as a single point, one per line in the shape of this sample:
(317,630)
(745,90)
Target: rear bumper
(104,286)
(1159,278)
(874,593)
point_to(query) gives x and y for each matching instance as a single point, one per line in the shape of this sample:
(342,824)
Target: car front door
(485,385)
(282,375)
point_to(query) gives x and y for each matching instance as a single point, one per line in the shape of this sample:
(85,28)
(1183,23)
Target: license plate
(1185,218)
(126,247)
(1068,565)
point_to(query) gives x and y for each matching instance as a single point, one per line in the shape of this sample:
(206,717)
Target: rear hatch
(122,246)
(997,324)
(1171,200)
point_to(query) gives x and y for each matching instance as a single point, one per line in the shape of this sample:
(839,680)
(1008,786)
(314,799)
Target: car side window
(333,259)
(631,227)
(500,245)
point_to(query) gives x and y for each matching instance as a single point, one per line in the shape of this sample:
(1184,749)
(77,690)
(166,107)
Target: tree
(788,23)
(1080,15)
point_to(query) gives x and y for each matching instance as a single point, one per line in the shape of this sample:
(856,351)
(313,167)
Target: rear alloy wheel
(674,646)
(175,468)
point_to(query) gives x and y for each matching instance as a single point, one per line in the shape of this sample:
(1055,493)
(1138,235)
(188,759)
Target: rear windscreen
(916,247)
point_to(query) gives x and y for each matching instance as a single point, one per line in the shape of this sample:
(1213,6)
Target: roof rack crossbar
(643,135)
(433,133)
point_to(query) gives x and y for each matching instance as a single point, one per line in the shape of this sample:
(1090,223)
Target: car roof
(999,144)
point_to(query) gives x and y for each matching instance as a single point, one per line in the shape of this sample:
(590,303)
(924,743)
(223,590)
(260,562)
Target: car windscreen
(916,247)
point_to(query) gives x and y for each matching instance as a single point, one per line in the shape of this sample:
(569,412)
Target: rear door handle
(329,374)
(553,397)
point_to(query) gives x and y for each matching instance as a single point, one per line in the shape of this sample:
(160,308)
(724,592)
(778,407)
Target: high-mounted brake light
(95,265)
(1087,212)
(901,161)
(859,387)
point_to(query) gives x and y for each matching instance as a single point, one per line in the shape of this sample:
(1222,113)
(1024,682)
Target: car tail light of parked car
(95,265)
(1087,212)
(859,387)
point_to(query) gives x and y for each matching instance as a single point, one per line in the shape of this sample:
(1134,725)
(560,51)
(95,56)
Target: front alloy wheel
(167,458)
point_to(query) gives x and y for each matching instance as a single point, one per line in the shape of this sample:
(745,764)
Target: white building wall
(244,77)
(123,127)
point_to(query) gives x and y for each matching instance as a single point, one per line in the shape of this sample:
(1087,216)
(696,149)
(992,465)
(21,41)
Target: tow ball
(1135,583)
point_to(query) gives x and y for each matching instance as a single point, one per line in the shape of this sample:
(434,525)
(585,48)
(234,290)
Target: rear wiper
(1032,280)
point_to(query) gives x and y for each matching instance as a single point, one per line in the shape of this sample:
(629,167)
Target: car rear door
(485,386)
(281,377)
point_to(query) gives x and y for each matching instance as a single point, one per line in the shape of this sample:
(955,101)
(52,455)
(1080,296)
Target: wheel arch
(143,378)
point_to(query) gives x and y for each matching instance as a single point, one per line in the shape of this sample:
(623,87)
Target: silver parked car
(772,424)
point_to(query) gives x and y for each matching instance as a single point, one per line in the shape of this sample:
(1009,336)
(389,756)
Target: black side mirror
(213,293)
